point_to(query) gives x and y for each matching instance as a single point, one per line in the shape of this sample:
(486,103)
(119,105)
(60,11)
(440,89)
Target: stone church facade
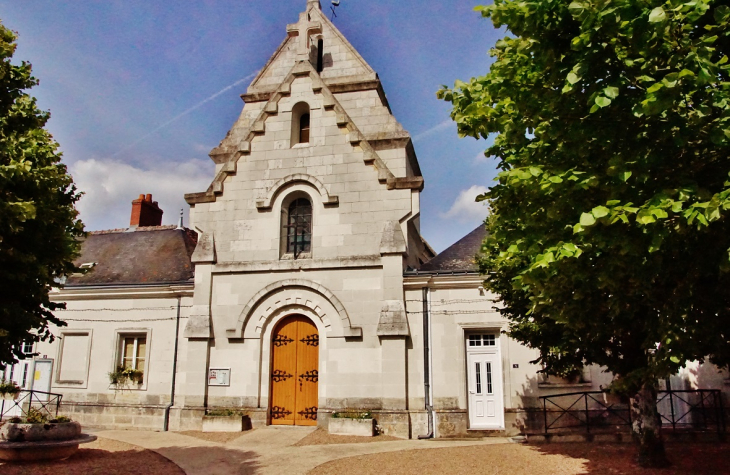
(303,286)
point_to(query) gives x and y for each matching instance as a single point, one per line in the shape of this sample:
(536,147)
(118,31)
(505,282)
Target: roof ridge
(137,229)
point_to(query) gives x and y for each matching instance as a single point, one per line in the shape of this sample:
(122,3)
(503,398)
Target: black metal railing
(46,403)
(698,410)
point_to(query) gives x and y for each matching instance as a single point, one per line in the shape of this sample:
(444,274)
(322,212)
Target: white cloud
(480,158)
(465,209)
(111,185)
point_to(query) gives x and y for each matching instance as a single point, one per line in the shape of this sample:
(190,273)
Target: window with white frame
(482,340)
(27,348)
(133,352)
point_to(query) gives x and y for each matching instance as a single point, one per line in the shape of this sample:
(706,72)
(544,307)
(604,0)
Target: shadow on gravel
(212,460)
(97,462)
(711,458)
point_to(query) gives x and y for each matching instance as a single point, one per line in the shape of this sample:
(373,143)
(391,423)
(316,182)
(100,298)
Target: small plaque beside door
(219,377)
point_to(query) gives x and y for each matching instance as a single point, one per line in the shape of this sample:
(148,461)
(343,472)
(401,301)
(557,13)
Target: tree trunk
(646,425)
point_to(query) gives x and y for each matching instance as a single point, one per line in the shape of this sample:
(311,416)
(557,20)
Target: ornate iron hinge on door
(311,340)
(278,376)
(309,413)
(311,376)
(278,412)
(282,340)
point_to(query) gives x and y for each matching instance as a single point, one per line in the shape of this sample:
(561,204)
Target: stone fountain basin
(12,432)
(42,450)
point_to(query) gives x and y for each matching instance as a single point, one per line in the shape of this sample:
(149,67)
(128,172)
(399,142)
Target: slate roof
(147,255)
(460,256)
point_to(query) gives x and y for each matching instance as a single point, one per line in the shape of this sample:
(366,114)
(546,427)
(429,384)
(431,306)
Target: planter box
(226,423)
(343,426)
(11,432)
(10,396)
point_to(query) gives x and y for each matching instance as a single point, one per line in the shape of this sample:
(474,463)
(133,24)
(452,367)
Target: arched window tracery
(298,227)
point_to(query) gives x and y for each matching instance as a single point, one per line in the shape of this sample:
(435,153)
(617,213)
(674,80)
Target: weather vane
(335,4)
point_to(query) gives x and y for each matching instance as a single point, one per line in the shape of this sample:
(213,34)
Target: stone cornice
(123,292)
(336,86)
(297,265)
(443,281)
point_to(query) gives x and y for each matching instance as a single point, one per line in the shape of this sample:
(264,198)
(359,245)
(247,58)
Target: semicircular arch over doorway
(294,372)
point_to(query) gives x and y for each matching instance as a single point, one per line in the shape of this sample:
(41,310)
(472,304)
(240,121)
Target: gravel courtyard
(113,457)
(553,459)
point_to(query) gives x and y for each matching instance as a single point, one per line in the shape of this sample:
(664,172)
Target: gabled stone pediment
(341,61)
(237,143)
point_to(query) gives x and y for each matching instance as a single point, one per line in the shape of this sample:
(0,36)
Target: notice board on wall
(219,377)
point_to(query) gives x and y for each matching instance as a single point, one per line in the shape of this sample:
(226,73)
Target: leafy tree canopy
(609,234)
(39,231)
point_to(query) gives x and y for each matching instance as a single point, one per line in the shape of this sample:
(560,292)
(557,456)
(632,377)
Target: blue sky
(140,91)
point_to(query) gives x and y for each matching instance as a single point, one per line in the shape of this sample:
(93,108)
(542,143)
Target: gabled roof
(460,256)
(351,65)
(152,255)
(237,143)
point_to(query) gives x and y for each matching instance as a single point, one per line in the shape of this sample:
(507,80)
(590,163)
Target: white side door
(42,378)
(486,406)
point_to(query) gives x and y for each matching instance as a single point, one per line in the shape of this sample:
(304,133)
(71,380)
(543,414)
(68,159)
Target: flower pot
(346,426)
(10,396)
(226,423)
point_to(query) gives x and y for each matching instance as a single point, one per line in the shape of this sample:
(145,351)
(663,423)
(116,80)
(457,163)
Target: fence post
(722,412)
(704,411)
(588,416)
(671,405)
(544,413)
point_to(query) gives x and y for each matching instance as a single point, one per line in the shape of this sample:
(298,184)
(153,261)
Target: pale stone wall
(244,232)
(106,315)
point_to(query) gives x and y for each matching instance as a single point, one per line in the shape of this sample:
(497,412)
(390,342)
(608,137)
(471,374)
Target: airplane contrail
(185,112)
(443,125)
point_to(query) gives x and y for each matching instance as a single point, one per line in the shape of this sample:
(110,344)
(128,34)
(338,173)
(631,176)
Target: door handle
(472,392)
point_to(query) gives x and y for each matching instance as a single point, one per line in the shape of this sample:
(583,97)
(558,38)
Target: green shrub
(8,387)
(34,416)
(225,412)
(353,415)
(122,376)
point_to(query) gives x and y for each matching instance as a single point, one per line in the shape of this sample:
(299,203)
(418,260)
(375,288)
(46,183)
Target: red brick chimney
(145,212)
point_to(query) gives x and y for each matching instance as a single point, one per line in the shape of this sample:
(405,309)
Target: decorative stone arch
(299,295)
(327,199)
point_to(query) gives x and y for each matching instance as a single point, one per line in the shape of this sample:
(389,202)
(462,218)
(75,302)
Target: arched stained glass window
(299,227)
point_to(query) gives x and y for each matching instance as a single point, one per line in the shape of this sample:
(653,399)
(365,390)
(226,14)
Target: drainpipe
(427,374)
(174,368)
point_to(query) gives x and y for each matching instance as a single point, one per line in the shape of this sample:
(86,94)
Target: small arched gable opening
(300,124)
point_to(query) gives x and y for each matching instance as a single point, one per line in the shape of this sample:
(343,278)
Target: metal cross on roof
(304,29)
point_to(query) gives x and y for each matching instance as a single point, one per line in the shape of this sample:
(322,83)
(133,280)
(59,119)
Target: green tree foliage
(609,234)
(39,231)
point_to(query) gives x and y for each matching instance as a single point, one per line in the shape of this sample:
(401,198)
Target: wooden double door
(294,372)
